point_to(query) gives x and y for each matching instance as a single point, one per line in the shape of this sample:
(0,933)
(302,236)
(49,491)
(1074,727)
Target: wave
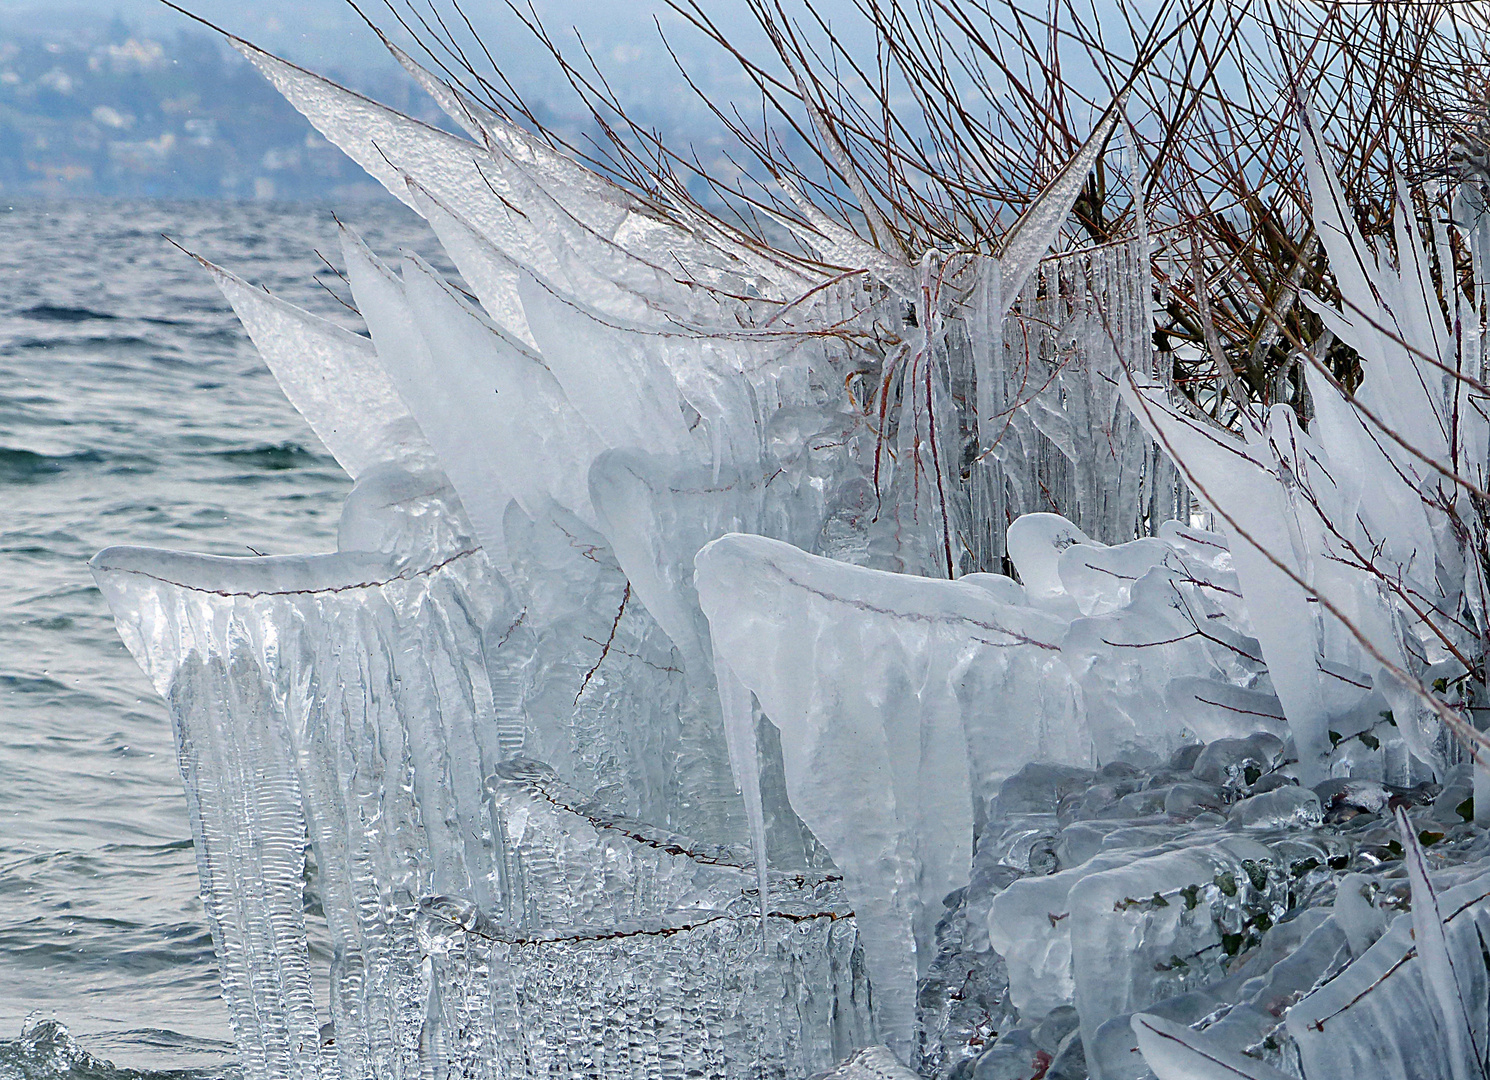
(27,466)
(46,1050)
(283,456)
(98,342)
(63,313)
(32,684)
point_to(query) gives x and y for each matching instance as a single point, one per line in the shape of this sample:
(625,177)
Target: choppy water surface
(132,410)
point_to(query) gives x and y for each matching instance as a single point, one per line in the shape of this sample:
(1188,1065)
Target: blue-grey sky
(328,33)
(328,36)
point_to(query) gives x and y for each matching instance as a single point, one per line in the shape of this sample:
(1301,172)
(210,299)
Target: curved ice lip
(831,651)
(264,575)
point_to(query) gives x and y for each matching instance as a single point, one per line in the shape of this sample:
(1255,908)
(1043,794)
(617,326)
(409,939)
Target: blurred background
(131,98)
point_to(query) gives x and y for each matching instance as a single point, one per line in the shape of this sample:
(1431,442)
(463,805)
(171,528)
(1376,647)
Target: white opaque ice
(1035,543)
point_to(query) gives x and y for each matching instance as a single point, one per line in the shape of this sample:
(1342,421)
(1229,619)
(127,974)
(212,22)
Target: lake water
(133,410)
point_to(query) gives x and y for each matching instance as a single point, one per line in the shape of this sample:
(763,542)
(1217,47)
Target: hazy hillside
(151,105)
(122,113)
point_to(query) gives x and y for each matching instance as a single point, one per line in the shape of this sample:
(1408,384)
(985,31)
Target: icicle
(987,334)
(325,686)
(491,274)
(841,246)
(504,422)
(899,699)
(392,147)
(739,734)
(656,516)
(613,380)
(1025,244)
(442,401)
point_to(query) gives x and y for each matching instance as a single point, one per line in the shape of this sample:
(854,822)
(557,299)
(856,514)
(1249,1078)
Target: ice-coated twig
(1436,958)
(1176,1052)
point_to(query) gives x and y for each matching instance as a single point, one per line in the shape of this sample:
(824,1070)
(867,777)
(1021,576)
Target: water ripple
(63,313)
(133,410)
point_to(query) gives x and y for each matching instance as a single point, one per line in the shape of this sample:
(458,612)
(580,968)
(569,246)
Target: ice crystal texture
(667,707)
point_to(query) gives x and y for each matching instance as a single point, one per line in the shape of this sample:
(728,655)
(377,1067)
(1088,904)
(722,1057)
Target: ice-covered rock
(1202,922)
(871,1063)
(666,708)
(1279,808)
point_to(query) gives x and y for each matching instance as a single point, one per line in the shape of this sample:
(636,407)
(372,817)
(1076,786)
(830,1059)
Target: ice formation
(1354,530)
(667,707)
